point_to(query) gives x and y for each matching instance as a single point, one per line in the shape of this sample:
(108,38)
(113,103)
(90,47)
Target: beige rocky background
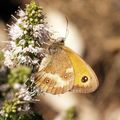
(96,24)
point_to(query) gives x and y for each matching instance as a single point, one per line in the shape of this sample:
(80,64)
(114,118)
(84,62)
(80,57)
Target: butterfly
(62,70)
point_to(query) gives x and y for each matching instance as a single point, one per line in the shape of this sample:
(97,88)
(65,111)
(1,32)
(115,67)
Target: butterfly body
(63,70)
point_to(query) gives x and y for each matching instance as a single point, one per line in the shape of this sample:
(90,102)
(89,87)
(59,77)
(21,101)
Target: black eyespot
(84,79)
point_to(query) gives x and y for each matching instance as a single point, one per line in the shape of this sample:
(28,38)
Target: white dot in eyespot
(84,79)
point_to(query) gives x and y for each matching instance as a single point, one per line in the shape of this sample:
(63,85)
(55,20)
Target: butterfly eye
(53,49)
(84,79)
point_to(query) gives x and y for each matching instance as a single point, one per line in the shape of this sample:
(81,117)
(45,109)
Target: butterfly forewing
(57,77)
(85,80)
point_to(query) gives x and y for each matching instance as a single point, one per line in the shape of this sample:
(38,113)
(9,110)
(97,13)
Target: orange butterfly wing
(57,74)
(85,79)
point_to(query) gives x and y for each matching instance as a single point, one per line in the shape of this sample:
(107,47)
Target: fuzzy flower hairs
(27,37)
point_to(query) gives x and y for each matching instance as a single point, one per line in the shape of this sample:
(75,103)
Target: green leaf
(1,58)
(18,75)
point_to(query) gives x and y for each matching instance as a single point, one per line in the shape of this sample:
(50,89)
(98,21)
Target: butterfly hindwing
(57,76)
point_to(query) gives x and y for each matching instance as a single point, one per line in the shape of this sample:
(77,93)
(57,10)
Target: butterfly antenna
(62,39)
(67,30)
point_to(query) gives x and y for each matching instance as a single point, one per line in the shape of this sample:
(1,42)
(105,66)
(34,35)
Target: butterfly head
(55,47)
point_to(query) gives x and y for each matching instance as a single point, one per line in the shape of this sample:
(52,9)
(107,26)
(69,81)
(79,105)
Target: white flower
(19,109)
(21,13)
(2,113)
(24,94)
(19,21)
(12,44)
(38,27)
(27,97)
(22,59)
(31,49)
(17,86)
(41,32)
(17,50)
(35,61)
(8,58)
(8,62)
(22,42)
(38,49)
(27,107)
(15,32)
(25,50)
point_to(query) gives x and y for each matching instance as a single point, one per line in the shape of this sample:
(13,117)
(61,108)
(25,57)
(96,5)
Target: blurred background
(94,33)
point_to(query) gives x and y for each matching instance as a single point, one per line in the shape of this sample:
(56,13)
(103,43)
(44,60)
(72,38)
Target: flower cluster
(24,92)
(28,36)
(17,110)
(29,91)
